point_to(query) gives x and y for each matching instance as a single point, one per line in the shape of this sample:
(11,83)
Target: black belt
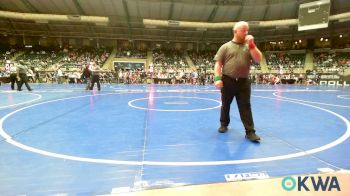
(236,79)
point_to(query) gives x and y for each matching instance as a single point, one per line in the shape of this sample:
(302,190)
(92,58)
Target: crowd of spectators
(165,59)
(332,60)
(44,58)
(282,60)
(167,65)
(131,53)
(203,59)
(6,53)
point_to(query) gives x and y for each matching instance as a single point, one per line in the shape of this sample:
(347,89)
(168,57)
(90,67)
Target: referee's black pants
(241,89)
(95,79)
(23,80)
(13,80)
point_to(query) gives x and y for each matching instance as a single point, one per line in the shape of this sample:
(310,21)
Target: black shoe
(222,129)
(252,136)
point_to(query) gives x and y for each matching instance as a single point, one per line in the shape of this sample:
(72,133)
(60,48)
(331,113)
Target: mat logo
(304,183)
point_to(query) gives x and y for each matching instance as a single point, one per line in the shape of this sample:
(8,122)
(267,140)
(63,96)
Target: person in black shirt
(85,76)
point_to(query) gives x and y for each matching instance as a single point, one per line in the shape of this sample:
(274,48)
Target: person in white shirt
(59,75)
(30,75)
(13,76)
(95,73)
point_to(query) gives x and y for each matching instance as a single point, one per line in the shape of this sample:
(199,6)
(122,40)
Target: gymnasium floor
(63,140)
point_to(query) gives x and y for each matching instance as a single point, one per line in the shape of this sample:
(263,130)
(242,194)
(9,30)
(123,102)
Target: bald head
(240,24)
(240,31)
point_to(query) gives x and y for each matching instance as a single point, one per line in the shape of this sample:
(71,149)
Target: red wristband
(251,45)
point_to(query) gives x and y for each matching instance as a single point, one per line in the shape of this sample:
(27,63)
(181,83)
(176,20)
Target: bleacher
(287,60)
(332,59)
(203,59)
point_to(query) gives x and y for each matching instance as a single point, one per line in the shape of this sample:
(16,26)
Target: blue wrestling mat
(61,139)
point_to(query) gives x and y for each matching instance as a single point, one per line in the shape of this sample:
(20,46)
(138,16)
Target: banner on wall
(128,65)
(333,80)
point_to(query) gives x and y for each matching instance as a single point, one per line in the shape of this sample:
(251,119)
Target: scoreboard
(314,15)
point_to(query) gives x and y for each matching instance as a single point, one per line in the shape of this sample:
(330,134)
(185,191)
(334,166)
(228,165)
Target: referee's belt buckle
(239,79)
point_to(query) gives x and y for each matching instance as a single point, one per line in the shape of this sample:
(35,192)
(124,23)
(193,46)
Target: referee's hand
(219,84)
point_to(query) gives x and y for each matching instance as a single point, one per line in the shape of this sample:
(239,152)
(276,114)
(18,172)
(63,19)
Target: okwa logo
(315,183)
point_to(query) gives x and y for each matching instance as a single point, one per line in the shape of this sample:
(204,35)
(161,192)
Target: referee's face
(241,32)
